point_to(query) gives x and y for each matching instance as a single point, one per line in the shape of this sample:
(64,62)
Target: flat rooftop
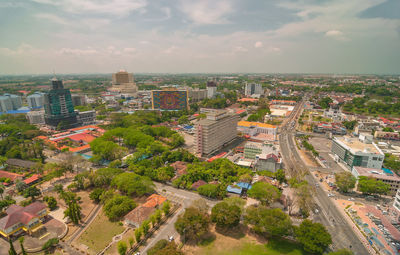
(357,146)
(376,173)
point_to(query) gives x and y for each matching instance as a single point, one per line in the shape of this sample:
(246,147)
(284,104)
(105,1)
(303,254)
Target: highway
(342,233)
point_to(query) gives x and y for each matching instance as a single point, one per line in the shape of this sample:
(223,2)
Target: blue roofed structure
(238,187)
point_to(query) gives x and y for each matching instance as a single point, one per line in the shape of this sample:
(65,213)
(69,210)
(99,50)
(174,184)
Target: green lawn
(245,246)
(100,233)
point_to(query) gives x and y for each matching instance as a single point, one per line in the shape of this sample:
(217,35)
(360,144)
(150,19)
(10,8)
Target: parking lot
(323,146)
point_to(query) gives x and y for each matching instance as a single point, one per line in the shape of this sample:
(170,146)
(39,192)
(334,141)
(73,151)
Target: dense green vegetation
(392,162)
(324,102)
(368,185)
(362,105)
(345,181)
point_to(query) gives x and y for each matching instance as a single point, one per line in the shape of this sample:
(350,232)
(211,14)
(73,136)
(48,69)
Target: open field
(242,244)
(100,233)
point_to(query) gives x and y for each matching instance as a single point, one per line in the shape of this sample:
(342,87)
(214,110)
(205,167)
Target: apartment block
(217,130)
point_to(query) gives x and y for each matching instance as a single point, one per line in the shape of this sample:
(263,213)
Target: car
(171,238)
(331,195)
(137,253)
(351,199)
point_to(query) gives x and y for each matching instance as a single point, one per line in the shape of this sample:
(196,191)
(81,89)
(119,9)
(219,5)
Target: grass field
(243,245)
(100,233)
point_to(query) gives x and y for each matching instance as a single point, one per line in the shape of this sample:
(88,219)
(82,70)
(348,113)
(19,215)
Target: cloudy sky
(179,36)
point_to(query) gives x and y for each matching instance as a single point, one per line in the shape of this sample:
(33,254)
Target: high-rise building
(5,104)
(197,95)
(78,99)
(217,130)
(211,89)
(36,100)
(253,89)
(169,99)
(123,83)
(10,102)
(58,106)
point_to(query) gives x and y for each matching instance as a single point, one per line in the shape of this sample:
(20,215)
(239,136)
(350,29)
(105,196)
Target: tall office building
(211,89)
(36,100)
(253,89)
(217,130)
(123,83)
(58,106)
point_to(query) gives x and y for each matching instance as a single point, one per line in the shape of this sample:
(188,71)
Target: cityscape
(198,127)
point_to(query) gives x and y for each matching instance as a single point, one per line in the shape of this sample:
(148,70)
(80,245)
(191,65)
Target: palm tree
(21,241)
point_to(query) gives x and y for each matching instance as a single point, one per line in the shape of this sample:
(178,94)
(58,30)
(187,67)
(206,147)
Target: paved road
(183,197)
(341,232)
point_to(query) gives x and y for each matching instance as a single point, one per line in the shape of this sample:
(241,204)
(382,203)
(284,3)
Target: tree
(239,202)
(313,237)
(118,206)
(32,192)
(51,202)
(158,215)
(157,247)
(349,125)
(131,241)
(183,120)
(133,184)
(95,195)
(122,248)
(324,102)
(21,242)
(369,185)
(166,207)
(11,251)
(163,247)
(225,215)
(145,227)
(387,129)
(345,181)
(138,234)
(193,224)
(21,186)
(208,190)
(265,192)
(280,175)
(73,211)
(269,222)
(49,245)
(304,198)
(1,191)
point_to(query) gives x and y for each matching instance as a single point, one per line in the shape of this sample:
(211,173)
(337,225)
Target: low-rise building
(384,175)
(263,156)
(255,128)
(86,117)
(143,212)
(387,135)
(334,128)
(21,219)
(36,117)
(357,152)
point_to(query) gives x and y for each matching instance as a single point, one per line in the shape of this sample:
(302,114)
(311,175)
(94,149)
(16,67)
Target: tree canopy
(370,185)
(345,181)
(225,215)
(193,224)
(313,236)
(265,192)
(268,222)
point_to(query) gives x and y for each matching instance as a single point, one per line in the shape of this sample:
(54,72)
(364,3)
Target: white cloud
(206,11)
(51,17)
(170,50)
(258,44)
(333,33)
(114,7)
(129,50)
(240,49)
(22,50)
(77,52)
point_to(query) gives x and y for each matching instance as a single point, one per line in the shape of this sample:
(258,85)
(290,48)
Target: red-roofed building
(20,219)
(12,176)
(31,180)
(143,212)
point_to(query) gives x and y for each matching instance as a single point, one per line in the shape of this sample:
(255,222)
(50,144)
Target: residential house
(143,212)
(21,219)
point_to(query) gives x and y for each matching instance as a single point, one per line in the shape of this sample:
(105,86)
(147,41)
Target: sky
(196,36)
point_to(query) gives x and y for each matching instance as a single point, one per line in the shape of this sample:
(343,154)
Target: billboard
(170,99)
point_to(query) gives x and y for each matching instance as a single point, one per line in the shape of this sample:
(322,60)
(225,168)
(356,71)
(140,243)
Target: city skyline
(73,36)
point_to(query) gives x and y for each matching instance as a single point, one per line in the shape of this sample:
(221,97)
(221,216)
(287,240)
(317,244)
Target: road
(183,197)
(342,233)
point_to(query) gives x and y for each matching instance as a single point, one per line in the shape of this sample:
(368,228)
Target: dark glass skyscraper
(58,106)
